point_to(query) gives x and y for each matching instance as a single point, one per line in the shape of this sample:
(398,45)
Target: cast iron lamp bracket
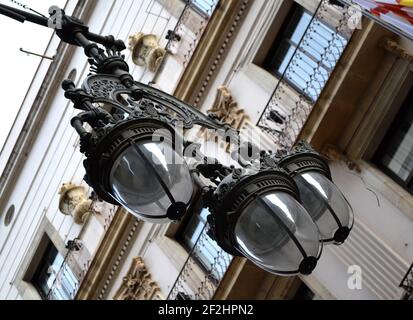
(111,79)
(123,115)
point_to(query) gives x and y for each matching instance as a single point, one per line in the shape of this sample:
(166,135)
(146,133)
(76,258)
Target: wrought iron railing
(66,283)
(202,272)
(184,37)
(77,260)
(306,74)
(407,284)
(204,10)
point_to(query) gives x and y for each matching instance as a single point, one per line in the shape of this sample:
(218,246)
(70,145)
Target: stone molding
(138,284)
(398,50)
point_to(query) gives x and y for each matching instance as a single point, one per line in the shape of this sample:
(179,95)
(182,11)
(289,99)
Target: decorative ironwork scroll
(152,103)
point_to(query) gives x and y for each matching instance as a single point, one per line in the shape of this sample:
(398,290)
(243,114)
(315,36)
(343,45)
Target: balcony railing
(407,284)
(180,39)
(191,26)
(202,272)
(306,74)
(75,264)
(66,283)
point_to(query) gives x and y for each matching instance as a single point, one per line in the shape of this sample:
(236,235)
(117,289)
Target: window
(207,252)
(305,52)
(203,7)
(395,155)
(52,278)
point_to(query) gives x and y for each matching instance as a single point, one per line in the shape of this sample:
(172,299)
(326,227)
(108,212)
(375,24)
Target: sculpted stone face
(146,51)
(74,201)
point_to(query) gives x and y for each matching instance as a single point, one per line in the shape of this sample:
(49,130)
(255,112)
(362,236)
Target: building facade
(283,70)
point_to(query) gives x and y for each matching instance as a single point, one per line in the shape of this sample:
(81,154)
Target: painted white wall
(53,161)
(376,211)
(55,158)
(379,244)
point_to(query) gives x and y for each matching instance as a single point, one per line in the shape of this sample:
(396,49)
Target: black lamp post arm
(23,16)
(69,29)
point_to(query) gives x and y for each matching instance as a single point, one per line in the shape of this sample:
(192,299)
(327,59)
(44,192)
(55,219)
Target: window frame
(195,211)
(296,10)
(24,274)
(268,63)
(35,280)
(47,250)
(196,8)
(380,151)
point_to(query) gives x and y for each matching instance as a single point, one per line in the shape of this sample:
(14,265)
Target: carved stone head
(74,201)
(146,50)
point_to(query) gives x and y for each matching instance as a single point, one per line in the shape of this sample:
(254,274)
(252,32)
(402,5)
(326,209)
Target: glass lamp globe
(326,205)
(258,216)
(318,194)
(152,181)
(275,232)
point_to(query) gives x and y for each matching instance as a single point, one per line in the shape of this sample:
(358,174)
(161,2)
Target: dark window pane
(52,279)
(395,155)
(305,52)
(304,293)
(207,250)
(301,25)
(282,58)
(43,275)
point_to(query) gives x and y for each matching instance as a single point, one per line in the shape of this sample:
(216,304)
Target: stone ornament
(397,49)
(74,201)
(146,51)
(138,284)
(333,153)
(226,110)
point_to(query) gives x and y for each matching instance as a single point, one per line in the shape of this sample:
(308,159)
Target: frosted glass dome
(152,181)
(276,233)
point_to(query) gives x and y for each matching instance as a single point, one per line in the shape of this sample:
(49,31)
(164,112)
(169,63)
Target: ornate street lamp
(276,209)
